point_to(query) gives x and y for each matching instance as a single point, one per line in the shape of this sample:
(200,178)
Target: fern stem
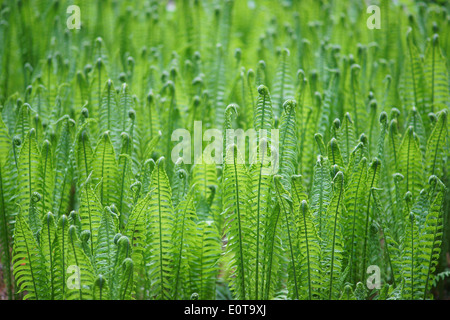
(44,178)
(160,236)
(130,274)
(51,260)
(307,252)
(272,241)
(355,208)
(15,157)
(291,249)
(62,192)
(334,240)
(181,248)
(367,222)
(436,149)
(258,213)
(29,168)
(122,184)
(432,76)
(76,263)
(238,211)
(354,102)
(103,169)
(412,259)
(430,263)
(29,259)
(6,243)
(411,61)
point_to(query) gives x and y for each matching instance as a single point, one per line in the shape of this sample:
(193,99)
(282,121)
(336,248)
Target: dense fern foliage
(349,174)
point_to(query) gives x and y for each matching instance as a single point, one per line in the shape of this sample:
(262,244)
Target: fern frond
(6,230)
(126,280)
(83,277)
(320,194)
(28,262)
(298,191)
(431,238)
(100,289)
(105,171)
(359,111)
(83,156)
(260,193)
(309,245)
(355,200)
(125,179)
(332,239)
(436,92)
(105,248)
(283,88)
(346,137)
(160,229)
(263,111)
(91,212)
(435,153)
(205,253)
(334,155)
(125,104)
(410,265)
(109,114)
(62,248)
(288,151)
(292,236)
(29,172)
(46,241)
(136,231)
(238,221)
(183,239)
(410,163)
(412,80)
(63,167)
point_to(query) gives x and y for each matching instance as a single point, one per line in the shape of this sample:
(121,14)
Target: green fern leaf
(29,172)
(83,277)
(63,168)
(100,289)
(204,257)
(160,229)
(105,170)
(410,163)
(332,239)
(28,262)
(285,202)
(436,76)
(320,194)
(183,238)
(435,153)
(48,177)
(238,220)
(105,249)
(355,200)
(310,249)
(283,88)
(46,241)
(91,212)
(288,151)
